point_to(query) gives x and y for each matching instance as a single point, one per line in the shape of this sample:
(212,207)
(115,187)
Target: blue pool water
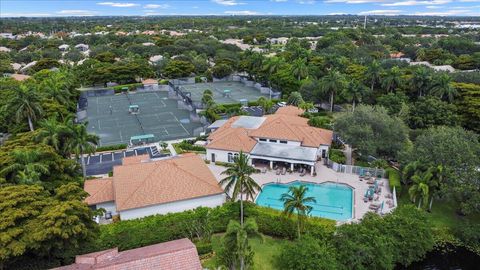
(334,201)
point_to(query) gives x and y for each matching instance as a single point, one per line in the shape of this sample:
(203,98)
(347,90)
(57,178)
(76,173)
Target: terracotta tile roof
(397,55)
(290,110)
(180,178)
(135,159)
(20,77)
(150,81)
(285,124)
(174,255)
(233,139)
(99,190)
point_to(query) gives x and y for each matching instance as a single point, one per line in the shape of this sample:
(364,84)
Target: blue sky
(42,8)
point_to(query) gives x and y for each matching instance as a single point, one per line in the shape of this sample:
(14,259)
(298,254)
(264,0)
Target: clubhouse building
(281,140)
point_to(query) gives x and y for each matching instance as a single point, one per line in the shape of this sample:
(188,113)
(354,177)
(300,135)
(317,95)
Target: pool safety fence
(358,170)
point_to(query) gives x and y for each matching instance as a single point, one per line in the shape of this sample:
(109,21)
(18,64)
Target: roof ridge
(175,164)
(104,186)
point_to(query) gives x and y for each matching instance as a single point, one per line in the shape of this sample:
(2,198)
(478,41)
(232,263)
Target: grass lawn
(443,213)
(264,252)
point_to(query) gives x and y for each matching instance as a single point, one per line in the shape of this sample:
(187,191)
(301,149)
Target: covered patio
(284,157)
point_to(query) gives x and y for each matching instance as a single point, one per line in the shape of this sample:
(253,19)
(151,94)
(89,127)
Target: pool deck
(324,174)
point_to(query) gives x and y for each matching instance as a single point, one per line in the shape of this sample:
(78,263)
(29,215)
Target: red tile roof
(99,190)
(174,255)
(285,124)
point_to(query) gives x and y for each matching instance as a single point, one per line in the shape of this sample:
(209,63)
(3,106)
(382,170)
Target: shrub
(320,122)
(163,82)
(111,147)
(224,164)
(394,179)
(186,146)
(203,247)
(131,87)
(337,156)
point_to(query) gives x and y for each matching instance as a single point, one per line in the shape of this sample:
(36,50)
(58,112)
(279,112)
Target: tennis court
(110,119)
(223,92)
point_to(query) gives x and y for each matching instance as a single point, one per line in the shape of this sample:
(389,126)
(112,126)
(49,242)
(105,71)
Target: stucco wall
(173,207)
(220,155)
(108,206)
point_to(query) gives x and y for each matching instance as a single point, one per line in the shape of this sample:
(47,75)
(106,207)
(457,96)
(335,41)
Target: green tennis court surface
(109,117)
(223,92)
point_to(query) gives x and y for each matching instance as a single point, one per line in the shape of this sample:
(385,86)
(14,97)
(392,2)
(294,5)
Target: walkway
(324,174)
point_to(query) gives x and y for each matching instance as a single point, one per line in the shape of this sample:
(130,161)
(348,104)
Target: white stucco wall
(108,206)
(278,142)
(220,155)
(173,207)
(322,147)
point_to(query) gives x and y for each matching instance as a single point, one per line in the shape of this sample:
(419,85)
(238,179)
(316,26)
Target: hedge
(150,230)
(131,87)
(111,147)
(394,179)
(337,156)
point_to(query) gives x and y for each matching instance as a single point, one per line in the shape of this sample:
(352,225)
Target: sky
(58,8)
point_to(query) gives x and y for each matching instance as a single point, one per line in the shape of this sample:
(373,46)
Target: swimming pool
(334,201)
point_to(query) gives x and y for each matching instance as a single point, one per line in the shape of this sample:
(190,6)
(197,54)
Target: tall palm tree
(26,105)
(239,179)
(373,74)
(392,79)
(55,88)
(421,187)
(296,201)
(27,168)
(354,92)
(443,88)
(410,170)
(80,142)
(266,104)
(50,133)
(331,84)
(300,68)
(421,81)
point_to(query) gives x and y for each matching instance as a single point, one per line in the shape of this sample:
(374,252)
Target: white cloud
(228,2)
(116,4)
(278,1)
(241,12)
(416,3)
(306,2)
(434,7)
(354,1)
(381,12)
(154,6)
(76,12)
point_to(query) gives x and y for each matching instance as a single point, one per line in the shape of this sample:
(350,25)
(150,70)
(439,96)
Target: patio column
(291,167)
(271,165)
(311,170)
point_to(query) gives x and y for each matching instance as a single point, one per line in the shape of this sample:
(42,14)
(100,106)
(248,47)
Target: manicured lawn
(265,252)
(443,213)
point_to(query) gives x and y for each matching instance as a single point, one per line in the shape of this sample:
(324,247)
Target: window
(273,140)
(285,142)
(262,140)
(230,157)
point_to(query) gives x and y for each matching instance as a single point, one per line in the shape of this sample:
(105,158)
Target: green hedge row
(111,147)
(160,228)
(337,156)
(131,87)
(394,180)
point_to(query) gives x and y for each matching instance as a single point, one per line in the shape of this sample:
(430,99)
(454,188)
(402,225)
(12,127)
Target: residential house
(179,254)
(142,187)
(281,139)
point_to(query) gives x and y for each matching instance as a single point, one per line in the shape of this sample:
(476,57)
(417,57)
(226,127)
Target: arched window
(230,157)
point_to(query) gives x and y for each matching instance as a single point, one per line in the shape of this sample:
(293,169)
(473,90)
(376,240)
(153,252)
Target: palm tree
(295,98)
(300,68)
(373,73)
(437,180)
(420,54)
(26,168)
(392,79)
(50,133)
(238,178)
(26,104)
(331,84)
(354,92)
(80,142)
(55,88)
(421,80)
(266,104)
(421,187)
(296,201)
(410,170)
(442,87)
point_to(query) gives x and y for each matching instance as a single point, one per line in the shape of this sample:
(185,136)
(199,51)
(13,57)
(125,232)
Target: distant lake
(458,259)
